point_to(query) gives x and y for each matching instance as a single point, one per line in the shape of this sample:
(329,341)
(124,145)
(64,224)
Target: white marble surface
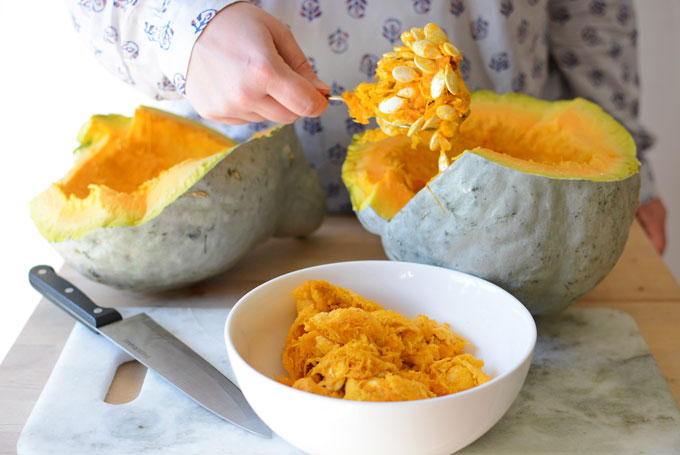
(71,416)
(593,388)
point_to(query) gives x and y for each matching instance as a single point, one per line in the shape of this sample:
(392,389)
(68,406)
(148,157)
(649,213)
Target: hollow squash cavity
(562,140)
(126,171)
(388,173)
(137,150)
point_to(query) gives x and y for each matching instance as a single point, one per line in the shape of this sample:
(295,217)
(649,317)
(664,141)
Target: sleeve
(594,45)
(146,43)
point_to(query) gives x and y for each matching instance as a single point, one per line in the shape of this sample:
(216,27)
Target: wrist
(175,32)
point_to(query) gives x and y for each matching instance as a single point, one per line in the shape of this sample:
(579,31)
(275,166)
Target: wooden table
(640,285)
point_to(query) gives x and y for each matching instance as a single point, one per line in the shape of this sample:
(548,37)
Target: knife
(154,347)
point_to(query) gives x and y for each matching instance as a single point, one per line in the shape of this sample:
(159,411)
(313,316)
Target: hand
(247,67)
(652,217)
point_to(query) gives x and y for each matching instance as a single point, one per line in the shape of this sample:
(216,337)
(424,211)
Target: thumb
(290,51)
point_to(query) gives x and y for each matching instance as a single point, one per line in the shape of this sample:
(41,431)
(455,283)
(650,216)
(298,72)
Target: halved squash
(159,201)
(539,197)
(127,170)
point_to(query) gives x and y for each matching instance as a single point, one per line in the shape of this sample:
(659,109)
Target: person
(242,66)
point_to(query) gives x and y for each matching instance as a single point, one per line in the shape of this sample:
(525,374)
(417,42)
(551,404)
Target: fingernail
(321,85)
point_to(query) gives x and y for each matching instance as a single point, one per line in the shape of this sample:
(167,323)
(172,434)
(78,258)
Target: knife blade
(156,348)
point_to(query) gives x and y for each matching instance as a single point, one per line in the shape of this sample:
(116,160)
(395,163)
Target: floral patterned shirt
(549,49)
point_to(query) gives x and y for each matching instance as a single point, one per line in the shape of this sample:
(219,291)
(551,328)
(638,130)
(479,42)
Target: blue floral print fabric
(550,49)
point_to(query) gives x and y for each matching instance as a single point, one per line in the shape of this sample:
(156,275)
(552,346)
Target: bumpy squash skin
(263,188)
(547,241)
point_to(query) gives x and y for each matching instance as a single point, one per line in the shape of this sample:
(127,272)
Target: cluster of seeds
(419,91)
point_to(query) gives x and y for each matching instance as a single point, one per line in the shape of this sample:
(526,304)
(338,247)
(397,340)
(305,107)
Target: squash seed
(391,55)
(444,144)
(435,34)
(425,64)
(438,85)
(406,92)
(407,38)
(450,80)
(391,105)
(443,162)
(425,48)
(434,141)
(450,49)
(417,33)
(196,193)
(404,74)
(416,126)
(431,122)
(388,129)
(407,55)
(446,112)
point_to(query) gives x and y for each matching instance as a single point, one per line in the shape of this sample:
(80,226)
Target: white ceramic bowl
(499,327)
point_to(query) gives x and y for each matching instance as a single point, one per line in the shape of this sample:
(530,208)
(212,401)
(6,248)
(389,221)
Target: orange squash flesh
(557,140)
(388,172)
(150,144)
(126,171)
(563,140)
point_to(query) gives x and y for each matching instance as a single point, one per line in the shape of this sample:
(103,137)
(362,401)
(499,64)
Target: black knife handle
(69,298)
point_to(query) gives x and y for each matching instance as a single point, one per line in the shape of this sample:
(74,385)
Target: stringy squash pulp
(561,140)
(343,345)
(419,92)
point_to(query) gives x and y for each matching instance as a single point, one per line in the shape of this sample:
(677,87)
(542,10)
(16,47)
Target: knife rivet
(97,310)
(42,271)
(68,290)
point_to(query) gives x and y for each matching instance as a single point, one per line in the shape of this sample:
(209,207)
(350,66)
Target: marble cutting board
(593,387)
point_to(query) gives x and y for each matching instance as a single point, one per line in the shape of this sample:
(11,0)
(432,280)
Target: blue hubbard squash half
(158,201)
(539,198)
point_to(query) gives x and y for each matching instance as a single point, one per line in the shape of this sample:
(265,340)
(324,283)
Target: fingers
(652,217)
(265,109)
(293,82)
(237,119)
(271,109)
(247,67)
(290,52)
(658,238)
(230,121)
(656,235)
(272,91)
(294,92)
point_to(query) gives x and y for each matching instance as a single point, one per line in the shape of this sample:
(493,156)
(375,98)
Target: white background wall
(51,84)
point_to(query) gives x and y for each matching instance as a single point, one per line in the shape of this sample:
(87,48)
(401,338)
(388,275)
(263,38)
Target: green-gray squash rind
(547,241)
(262,188)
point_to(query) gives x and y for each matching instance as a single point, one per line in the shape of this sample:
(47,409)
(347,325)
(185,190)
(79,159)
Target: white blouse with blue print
(550,49)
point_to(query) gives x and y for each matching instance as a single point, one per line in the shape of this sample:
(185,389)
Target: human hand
(652,217)
(247,67)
